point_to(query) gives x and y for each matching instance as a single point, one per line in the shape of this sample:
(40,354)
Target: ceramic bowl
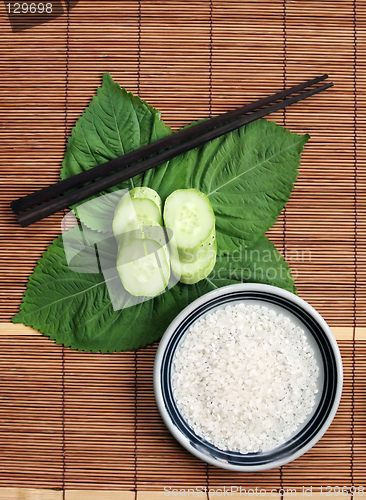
(329,382)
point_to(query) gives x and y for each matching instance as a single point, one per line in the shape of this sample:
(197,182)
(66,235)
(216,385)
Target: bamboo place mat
(85,426)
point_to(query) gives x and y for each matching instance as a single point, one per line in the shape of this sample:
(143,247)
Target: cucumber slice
(145,230)
(136,205)
(143,267)
(188,213)
(146,209)
(151,230)
(191,273)
(190,255)
(146,193)
(147,204)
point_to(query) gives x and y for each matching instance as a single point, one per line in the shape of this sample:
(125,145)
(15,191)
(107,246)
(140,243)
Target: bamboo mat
(76,425)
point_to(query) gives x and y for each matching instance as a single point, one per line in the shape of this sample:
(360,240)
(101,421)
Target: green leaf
(115,123)
(247,174)
(261,263)
(251,178)
(75,308)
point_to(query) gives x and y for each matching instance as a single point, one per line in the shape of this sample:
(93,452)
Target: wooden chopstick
(165,149)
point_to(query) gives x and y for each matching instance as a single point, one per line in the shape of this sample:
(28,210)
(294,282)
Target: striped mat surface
(77,425)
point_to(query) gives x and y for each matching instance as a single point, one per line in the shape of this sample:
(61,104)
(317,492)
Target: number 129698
(30,8)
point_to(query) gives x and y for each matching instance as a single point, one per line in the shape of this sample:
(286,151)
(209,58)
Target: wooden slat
(29,494)
(99,495)
(339,332)
(229,491)
(39,494)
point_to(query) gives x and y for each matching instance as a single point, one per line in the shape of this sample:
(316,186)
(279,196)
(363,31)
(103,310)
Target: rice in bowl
(244,378)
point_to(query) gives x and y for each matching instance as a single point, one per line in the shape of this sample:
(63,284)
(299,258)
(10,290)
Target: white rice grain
(244,378)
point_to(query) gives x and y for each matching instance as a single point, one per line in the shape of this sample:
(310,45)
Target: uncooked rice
(244,378)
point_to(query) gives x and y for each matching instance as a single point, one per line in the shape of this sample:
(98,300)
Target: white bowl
(320,338)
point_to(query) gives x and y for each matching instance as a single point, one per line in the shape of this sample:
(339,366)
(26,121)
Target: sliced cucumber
(146,209)
(143,267)
(146,193)
(190,217)
(143,256)
(188,213)
(146,230)
(151,230)
(190,255)
(136,205)
(146,250)
(191,273)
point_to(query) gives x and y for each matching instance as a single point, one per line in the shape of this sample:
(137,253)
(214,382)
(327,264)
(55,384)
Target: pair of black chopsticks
(56,197)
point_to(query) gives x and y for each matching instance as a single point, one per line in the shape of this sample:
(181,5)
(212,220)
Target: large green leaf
(75,308)
(247,174)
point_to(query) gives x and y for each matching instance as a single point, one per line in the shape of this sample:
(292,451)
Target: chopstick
(138,161)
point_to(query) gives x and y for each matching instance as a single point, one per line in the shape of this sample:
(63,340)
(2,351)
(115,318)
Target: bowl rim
(222,292)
